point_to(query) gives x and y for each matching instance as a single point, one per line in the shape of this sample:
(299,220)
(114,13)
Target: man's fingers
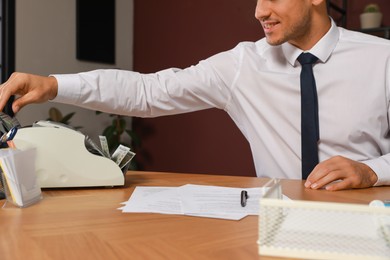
(5,95)
(320,171)
(9,88)
(17,105)
(3,99)
(338,185)
(327,179)
(28,98)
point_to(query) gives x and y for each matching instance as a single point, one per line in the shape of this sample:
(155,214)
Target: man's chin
(274,42)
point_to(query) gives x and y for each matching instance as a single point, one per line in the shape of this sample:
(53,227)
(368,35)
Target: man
(258,85)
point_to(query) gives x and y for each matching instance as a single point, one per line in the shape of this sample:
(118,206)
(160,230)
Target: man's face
(285,20)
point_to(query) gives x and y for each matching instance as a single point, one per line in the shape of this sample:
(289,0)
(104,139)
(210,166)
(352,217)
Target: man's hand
(347,173)
(29,89)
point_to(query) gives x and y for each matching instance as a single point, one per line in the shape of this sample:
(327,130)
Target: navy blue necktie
(309,115)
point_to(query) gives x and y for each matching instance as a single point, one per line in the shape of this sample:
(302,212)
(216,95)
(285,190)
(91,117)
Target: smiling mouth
(268,26)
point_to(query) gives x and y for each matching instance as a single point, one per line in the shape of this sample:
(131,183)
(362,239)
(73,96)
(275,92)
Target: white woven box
(322,230)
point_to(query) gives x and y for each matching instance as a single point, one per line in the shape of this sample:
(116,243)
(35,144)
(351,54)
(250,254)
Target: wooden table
(85,223)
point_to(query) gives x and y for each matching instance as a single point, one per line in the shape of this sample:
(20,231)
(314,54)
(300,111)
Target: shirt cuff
(69,89)
(382,169)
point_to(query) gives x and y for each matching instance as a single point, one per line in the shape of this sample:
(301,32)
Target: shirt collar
(322,49)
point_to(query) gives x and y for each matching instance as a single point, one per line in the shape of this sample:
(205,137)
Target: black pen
(244,197)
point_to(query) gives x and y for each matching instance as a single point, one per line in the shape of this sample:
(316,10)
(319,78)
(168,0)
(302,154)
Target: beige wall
(46,44)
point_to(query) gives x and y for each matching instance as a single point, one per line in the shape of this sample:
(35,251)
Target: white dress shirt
(258,86)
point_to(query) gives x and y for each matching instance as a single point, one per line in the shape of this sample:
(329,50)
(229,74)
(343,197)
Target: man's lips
(269,26)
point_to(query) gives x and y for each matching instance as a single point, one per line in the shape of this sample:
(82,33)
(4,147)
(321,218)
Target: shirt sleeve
(68,88)
(170,91)
(381,167)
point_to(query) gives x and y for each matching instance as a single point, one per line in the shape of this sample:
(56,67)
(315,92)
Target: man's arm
(28,88)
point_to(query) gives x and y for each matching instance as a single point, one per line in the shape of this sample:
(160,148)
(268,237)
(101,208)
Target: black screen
(96,30)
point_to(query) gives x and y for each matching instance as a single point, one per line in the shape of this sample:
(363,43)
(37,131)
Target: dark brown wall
(179,33)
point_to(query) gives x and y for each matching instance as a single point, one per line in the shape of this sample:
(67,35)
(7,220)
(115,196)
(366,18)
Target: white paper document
(20,181)
(194,200)
(154,200)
